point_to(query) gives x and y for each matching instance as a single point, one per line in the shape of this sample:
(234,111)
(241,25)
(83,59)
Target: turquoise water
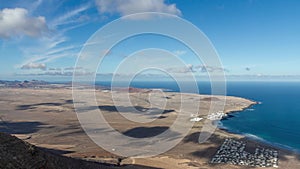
(276,120)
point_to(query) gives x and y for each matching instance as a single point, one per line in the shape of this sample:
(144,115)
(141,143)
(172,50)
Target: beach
(45,117)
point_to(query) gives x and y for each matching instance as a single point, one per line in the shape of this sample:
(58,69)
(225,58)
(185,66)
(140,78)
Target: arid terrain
(46,118)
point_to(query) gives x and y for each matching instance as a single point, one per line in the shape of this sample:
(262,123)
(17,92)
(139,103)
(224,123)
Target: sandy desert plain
(45,118)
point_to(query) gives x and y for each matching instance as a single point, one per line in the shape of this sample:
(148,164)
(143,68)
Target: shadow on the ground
(195,136)
(56,151)
(212,143)
(34,106)
(144,132)
(134,109)
(21,127)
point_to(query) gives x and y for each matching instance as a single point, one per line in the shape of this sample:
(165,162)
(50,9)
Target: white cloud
(40,66)
(17,22)
(188,68)
(35,5)
(50,48)
(179,52)
(183,69)
(126,7)
(205,69)
(73,68)
(71,17)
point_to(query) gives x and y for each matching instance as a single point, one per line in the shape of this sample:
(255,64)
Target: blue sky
(254,38)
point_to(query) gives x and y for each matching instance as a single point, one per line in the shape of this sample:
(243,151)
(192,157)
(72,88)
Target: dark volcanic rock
(16,154)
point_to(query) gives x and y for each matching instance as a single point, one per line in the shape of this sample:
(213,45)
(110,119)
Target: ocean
(276,120)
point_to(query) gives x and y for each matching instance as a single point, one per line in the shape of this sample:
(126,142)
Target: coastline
(66,108)
(253,137)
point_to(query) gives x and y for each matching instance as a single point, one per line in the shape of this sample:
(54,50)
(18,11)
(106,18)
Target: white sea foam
(254,137)
(257,138)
